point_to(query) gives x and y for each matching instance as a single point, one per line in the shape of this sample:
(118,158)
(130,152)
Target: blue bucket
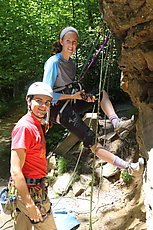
(66,220)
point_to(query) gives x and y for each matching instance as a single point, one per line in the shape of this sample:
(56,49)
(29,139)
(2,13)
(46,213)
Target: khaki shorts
(23,222)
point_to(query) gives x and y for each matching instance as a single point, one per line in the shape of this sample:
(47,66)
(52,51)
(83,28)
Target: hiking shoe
(136,169)
(124,126)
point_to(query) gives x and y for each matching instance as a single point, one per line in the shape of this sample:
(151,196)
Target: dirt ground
(111,210)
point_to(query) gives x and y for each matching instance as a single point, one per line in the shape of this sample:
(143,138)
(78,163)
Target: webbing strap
(101,86)
(90,53)
(66,103)
(34,181)
(69,86)
(95,57)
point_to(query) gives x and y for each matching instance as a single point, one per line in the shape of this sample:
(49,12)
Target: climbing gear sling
(8,198)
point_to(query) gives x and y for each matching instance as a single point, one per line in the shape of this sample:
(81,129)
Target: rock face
(132,22)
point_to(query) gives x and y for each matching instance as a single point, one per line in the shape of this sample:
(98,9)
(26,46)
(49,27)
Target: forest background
(28,29)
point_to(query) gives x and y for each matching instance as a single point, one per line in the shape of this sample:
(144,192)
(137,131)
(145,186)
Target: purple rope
(94,58)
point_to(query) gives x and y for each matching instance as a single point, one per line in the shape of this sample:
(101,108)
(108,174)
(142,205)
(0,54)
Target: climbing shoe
(124,126)
(136,169)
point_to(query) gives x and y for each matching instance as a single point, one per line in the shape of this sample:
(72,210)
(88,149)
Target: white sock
(120,163)
(114,119)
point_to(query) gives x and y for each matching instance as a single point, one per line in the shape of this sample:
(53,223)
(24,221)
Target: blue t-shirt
(59,72)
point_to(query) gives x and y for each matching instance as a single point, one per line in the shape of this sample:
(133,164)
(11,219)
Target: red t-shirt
(28,134)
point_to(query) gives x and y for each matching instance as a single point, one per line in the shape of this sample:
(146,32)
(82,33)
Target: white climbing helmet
(40,88)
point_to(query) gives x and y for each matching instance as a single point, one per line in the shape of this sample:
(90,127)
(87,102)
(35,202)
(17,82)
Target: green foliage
(55,134)
(3,108)
(126,177)
(29,27)
(61,165)
(12,106)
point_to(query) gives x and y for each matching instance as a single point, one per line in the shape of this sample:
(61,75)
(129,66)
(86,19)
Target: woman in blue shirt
(68,103)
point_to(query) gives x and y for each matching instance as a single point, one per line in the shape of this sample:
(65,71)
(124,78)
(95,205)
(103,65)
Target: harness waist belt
(69,86)
(34,181)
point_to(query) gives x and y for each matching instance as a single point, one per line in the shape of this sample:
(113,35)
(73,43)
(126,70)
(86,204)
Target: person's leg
(109,156)
(118,124)
(22,220)
(72,121)
(48,222)
(82,106)
(54,111)
(108,108)
(133,168)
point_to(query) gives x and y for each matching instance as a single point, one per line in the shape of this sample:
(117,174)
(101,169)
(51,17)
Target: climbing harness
(38,192)
(71,89)
(8,198)
(68,88)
